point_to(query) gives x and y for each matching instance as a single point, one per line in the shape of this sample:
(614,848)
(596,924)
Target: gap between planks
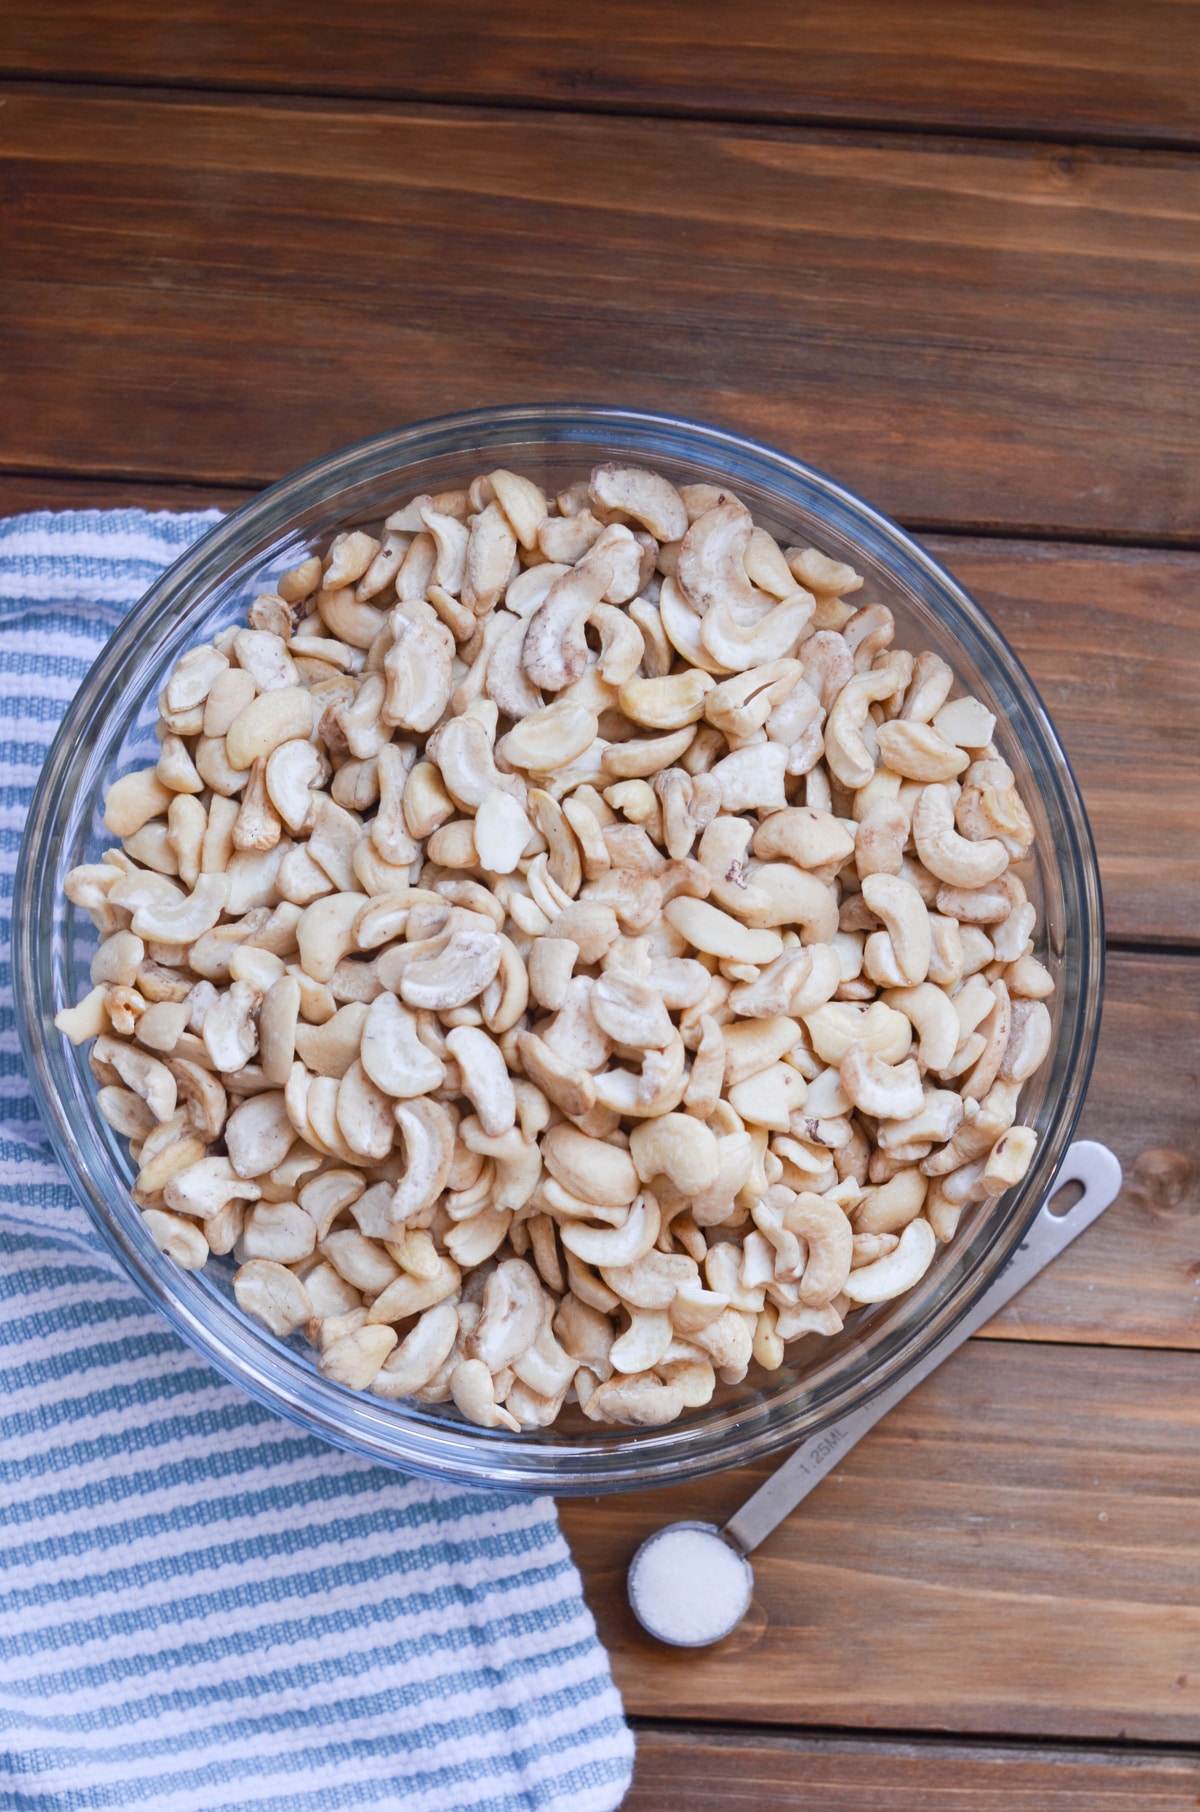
(1047,134)
(1095,70)
(683,1767)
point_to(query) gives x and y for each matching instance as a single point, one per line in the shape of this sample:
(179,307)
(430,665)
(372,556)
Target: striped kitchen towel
(199,1606)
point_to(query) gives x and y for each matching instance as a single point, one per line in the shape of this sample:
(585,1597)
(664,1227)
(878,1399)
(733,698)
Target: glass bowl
(109,729)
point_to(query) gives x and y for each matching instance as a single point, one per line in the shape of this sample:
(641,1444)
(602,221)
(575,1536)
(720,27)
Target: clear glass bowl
(110,728)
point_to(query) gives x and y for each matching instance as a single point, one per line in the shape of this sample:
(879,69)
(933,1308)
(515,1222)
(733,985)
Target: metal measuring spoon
(712,1562)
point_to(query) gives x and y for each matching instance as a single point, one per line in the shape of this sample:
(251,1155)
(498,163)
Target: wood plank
(1112,640)
(1080,68)
(696,1770)
(21,491)
(1134,1278)
(1012,1551)
(973,334)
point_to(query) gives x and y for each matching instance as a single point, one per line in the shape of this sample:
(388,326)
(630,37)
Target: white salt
(687,1585)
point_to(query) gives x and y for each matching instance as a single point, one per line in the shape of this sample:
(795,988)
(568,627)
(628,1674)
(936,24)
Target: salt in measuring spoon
(690,1584)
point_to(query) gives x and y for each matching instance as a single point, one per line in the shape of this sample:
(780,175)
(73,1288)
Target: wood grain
(690,1769)
(1011,1551)
(20,491)
(1078,68)
(976,334)
(1112,639)
(1134,1278)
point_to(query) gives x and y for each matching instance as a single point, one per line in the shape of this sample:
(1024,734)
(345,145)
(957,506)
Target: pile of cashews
(565,952)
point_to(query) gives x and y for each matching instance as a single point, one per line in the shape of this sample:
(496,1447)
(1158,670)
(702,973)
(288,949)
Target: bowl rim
(264,1367)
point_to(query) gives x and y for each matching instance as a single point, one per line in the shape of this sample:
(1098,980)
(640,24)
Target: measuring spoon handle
(1085,1162)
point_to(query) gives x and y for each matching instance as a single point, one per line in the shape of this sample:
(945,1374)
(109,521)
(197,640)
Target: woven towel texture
(199,1606)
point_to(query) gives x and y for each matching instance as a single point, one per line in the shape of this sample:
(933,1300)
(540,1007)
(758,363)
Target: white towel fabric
(199,1606)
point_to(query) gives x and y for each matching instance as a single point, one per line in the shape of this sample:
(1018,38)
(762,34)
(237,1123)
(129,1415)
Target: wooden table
(951,253)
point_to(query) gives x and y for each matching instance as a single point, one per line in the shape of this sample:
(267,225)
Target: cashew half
(947,855)
(898,1271)
(615,1246)
(889,1091)
(646,496)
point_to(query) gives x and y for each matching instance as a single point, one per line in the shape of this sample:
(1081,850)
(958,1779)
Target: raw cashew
(644,1342)
(711,930)
(591,1168)
(827,1233)
(889,1207)
(273,1295)
(1028,1041)
(411,1295)
(473,1392)
(203,1189)
(87,1019)
(676,1146)
(1009,1159)
(485,1078)
(848,756)
(153,1081)
(771,1097)
(738,645)
(133,801)
(681,626)
(615,1246)
(325,931)
(392,1054)
(888,1091)
(797,982)
(355,1359)
(189,919)
(458,973)
(667,702)
(878,1028)
(752,1047)
(947,855)
(418,668)
(428,1151)
(712,563)
(919,751)
(271,719)
(643,1401)
(631,1011)
(258,1134)
(810,839)
(646,496)
(293,770)
(933,1018)
(906,919)
(554,652)
(513,1308)
(899,1271)
(419,1355)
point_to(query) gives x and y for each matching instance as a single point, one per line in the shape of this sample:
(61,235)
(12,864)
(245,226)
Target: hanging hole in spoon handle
(690,1584)
(1088,1181)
